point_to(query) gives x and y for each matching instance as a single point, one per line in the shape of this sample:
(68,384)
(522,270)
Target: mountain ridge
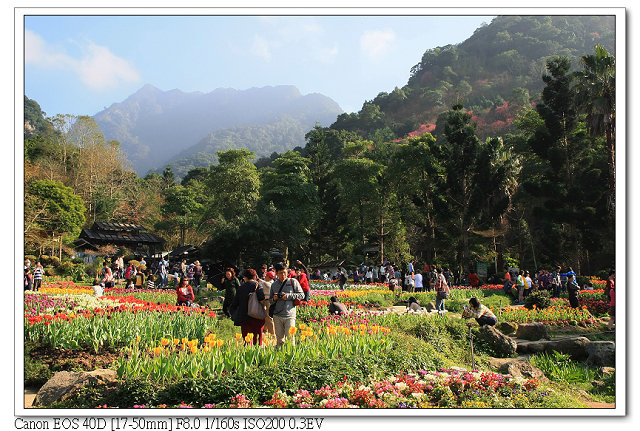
(153,125)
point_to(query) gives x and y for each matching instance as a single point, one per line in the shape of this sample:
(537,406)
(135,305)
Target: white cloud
(375,44)
(98,68)
(327,55)
(261,48)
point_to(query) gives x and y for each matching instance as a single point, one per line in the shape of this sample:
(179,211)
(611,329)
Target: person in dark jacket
(336,307)
(572,290)
(230,284)
(240,304)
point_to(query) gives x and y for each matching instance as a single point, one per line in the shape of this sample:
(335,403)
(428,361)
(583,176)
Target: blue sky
(82,64)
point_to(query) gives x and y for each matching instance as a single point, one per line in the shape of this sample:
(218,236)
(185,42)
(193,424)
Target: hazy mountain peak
(154,125)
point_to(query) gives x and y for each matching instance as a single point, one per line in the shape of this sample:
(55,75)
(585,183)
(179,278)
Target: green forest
(498,150)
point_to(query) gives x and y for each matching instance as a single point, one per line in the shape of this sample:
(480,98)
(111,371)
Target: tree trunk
(611,201)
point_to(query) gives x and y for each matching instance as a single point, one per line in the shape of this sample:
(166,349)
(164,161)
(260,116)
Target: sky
(80,65)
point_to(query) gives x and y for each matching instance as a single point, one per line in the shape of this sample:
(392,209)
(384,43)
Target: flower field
(336,361)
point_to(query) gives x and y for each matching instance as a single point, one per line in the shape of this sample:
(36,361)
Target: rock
(507,328)
(500,343)
(531,346)
(532,331)
(522,369)
(574,347)
(602,353)
(608,371)
(597,384)
(429,307)
(64,384)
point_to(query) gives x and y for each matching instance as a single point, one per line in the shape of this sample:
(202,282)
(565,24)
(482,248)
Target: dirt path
(29,396)
(600,405)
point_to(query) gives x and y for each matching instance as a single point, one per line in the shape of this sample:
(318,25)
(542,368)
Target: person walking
(417,282)
(342,278)
(284,291)
(240,306)
(556,282)
(197,274)
(442,291)
(265,284)
(302,275)
(572,290)
(163,272)
(38,272)
(520,286)
(230,285)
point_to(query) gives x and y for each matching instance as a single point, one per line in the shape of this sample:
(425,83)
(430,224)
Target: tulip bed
(190,357)
(426,389)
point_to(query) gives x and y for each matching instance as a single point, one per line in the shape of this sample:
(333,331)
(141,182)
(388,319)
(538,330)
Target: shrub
(540,298)
(32,258)
(377,299)
(65,268)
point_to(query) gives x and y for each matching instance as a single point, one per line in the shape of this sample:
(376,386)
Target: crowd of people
(279,289)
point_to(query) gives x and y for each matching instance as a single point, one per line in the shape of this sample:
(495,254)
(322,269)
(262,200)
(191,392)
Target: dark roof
(184,250)
(119,227)
(120,238)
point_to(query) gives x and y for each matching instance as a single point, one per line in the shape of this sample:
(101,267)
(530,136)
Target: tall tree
(53,208)
(596,97)
(289,200)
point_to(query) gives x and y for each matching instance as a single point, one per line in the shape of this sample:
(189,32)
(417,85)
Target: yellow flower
(176,341)
(292,330)
(303,337)
(138,339)
(206,349)
(164,342)
(220,343)
(193,349)
(303,326)
(249,337)
(184,341)
(158,350)
(238,336)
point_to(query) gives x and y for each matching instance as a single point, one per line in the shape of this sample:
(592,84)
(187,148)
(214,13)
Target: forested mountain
(284,133)
(154,126)
(493,74)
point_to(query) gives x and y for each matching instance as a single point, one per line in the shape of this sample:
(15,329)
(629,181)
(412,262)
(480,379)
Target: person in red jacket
(185,293)
(474,281)
(304,283)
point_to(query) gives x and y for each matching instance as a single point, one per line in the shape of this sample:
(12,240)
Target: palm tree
(596,98)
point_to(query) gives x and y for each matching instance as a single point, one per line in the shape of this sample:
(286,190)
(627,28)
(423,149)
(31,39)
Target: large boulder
(602,353)
(522,369)
(64,384)
(501,344)
(532,331)
(507,328)
(574,347)
(531,346)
